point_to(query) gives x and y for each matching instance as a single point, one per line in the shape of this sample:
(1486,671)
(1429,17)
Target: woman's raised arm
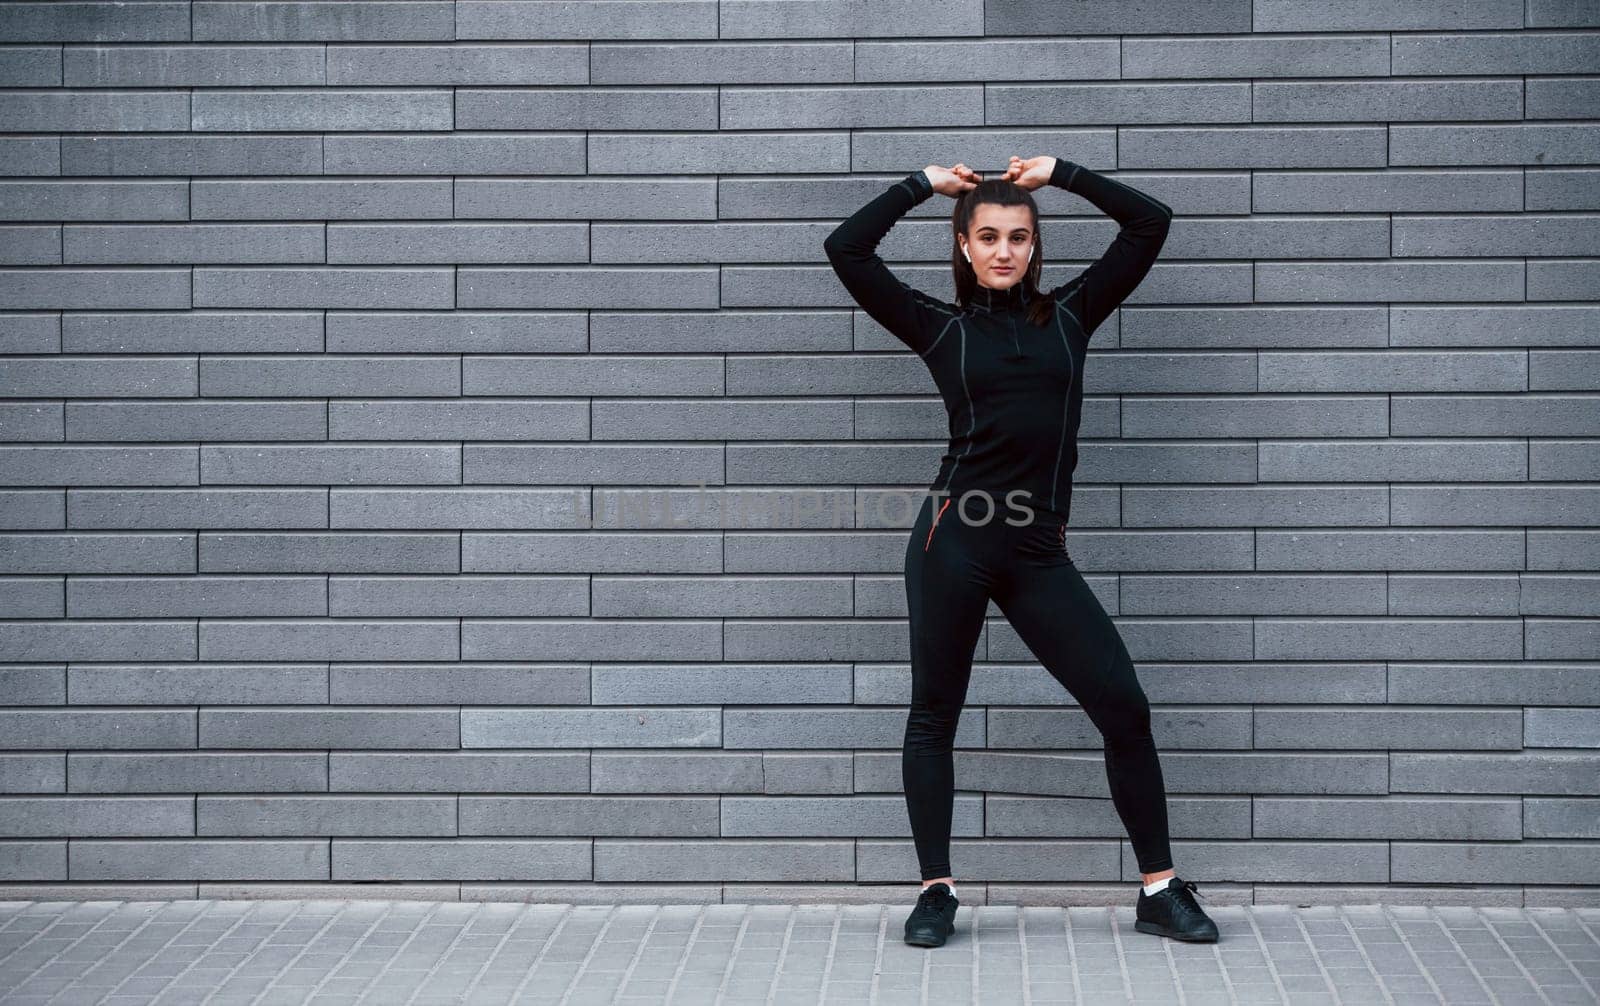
(1096,291)
(913,317)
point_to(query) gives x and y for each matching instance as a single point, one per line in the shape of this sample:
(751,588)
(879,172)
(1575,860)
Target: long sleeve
(1095,292)
(912,316)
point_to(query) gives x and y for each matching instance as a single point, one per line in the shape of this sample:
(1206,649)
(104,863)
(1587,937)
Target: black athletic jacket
(1013,391)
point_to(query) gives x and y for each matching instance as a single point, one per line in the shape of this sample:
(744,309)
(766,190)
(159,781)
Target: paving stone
(327,951)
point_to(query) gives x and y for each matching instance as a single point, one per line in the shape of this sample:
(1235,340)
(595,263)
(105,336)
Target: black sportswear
(953,569)
(1013,391)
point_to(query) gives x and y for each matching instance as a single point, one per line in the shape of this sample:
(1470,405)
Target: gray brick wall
(354,350)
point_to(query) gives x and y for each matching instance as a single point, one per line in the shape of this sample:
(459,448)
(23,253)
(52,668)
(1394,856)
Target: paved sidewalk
(221,952)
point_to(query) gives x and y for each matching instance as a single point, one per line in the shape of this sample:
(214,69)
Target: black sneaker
(1173,912)
(934,918)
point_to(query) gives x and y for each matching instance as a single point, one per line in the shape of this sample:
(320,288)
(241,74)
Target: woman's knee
(931,728)
(1122,712)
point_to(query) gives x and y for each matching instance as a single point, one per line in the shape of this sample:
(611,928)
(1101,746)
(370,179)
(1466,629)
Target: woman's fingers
(966,178)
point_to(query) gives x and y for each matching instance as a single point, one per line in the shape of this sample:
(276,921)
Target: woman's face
(999,242)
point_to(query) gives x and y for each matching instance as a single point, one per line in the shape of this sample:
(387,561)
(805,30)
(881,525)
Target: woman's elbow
(837,248)
(1158,226)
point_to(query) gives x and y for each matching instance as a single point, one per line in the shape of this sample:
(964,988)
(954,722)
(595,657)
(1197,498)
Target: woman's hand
(1032,173)
(952,181)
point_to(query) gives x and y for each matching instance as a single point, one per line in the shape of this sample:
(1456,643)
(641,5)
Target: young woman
(1008,361)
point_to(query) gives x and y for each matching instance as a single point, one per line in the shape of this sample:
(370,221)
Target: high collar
(989,300)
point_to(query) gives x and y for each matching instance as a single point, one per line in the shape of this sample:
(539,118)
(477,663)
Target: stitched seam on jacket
(1066,405)
(936,341)
(972,410)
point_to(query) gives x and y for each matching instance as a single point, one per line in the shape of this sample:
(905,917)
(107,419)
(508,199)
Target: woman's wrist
(1063,173)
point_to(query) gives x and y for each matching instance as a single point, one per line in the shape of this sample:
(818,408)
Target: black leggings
(953,568)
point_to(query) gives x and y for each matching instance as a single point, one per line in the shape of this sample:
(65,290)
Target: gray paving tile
(326,951)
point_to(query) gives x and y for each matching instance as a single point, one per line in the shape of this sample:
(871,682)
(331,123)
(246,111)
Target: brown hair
(998,192)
